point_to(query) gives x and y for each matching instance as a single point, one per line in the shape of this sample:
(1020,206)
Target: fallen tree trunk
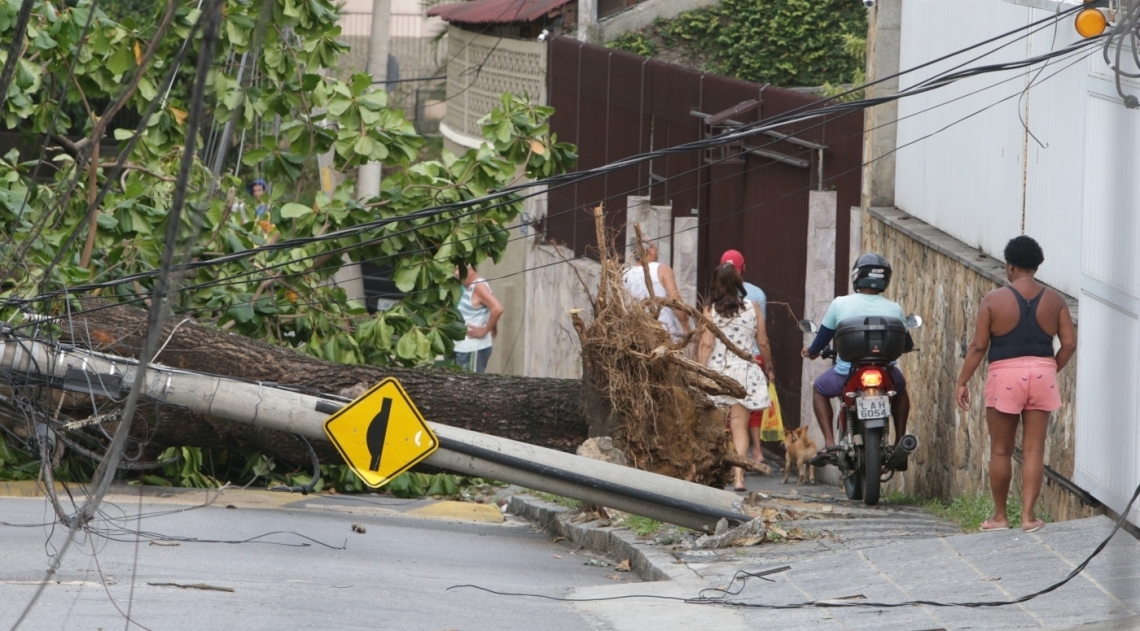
(544,412)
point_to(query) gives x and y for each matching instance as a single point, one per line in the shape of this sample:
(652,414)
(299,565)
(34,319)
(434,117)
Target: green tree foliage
(783,42)
(280,295)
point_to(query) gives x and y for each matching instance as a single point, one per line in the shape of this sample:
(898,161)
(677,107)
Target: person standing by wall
(757,296)
(1017,324)
(741,322)
(664,286)
(481,312)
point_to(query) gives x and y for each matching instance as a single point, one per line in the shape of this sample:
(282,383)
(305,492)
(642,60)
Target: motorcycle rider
(870,277)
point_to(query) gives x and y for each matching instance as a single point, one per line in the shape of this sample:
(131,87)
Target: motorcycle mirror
(807,326)
(913,321)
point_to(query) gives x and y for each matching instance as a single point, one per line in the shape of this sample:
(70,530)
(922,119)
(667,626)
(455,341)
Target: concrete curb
(647,562)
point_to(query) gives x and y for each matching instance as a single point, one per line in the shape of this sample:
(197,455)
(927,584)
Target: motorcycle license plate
(873,407)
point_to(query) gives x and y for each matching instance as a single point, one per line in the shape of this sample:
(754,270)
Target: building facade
(1049,151)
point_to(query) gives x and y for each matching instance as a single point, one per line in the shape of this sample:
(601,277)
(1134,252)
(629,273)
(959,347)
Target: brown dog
(800,449)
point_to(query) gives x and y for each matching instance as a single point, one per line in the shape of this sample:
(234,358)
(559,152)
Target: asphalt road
(393,576)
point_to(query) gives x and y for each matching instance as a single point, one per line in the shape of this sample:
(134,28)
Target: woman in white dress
(741,322)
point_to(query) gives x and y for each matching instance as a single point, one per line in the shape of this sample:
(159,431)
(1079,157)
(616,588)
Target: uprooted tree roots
(642,391)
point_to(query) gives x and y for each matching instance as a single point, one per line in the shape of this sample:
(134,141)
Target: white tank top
(473,316)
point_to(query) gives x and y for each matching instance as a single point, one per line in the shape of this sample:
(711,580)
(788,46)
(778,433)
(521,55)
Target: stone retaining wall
(943,280)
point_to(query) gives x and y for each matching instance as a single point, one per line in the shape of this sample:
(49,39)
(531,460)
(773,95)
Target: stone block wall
(505,65)
(943,280)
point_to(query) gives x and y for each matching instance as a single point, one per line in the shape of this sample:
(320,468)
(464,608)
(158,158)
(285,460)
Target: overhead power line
(242,276)
(477,205)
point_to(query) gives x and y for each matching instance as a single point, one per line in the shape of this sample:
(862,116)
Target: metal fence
(613,105)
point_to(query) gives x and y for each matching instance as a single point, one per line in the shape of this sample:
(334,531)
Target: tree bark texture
(544,412)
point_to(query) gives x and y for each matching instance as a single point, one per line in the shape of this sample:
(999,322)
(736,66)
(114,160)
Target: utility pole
(587,19)
(368,175)
(350,276)
(462,451)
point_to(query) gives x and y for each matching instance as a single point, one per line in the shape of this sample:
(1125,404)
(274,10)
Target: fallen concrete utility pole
(461,451)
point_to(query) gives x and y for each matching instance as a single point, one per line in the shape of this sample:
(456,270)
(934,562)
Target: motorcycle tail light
(871,379)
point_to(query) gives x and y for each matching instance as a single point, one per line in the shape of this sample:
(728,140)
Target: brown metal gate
(613,105)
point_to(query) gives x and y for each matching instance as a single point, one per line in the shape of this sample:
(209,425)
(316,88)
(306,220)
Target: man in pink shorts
(1017,324)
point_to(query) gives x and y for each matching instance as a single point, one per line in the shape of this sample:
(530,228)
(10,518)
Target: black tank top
(1027,339)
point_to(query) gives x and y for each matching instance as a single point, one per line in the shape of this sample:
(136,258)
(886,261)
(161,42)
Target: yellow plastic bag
(772,425)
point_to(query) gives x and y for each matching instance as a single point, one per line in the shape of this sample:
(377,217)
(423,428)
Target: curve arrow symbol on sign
(377,430)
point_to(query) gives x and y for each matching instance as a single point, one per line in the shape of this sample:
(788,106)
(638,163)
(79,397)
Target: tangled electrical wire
(100,418)
(721,595)
(511,194)
(1126,34)
(1075,53)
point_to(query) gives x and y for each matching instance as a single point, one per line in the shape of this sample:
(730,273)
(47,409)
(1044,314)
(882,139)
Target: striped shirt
(473,316)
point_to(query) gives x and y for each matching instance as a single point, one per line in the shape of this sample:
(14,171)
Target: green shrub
(787,43)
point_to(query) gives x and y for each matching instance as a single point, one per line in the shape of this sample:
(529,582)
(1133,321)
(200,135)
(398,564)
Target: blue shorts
(475,361)
(831,384)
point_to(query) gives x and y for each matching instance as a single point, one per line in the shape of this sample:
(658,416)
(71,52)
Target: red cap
(734,257)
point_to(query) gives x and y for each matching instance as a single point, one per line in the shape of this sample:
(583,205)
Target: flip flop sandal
(823,458)
(987,527)
(1034,527)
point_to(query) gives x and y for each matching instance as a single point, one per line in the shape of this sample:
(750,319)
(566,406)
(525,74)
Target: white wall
(1069,176)
(554,287)
(1108,428)
(985,179)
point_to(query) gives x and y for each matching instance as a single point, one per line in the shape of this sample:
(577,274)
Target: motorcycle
(863,454)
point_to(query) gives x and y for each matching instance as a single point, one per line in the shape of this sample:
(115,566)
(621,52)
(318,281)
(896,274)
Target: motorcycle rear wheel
(873,464)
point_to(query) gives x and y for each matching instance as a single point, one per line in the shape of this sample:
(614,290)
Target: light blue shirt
(755,294)
(857,306)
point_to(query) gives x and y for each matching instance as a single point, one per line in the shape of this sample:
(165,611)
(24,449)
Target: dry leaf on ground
(623,566)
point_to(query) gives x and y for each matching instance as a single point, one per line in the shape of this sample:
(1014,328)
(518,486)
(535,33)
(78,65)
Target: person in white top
(481,311)
(664,286)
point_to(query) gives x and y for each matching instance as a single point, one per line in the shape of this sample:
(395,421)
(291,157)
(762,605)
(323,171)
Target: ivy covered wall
(788,43)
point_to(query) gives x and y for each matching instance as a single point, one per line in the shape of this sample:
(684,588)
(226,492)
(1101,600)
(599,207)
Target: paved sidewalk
(888,554)
(960,568)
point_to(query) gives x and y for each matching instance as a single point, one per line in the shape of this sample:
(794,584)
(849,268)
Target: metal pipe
(464,464)
(907,445)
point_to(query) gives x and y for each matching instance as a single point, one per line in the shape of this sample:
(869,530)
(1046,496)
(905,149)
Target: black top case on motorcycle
(870,339)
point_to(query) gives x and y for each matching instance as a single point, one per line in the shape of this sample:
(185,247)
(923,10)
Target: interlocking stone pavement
(889,554)
(858,555)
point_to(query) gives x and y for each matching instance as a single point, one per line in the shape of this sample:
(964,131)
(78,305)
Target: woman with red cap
(756,295)
(742,323)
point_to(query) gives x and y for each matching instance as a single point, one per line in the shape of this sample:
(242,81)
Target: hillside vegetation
(788,43)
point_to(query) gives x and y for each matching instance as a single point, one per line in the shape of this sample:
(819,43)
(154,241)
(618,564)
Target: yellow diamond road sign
(381,434)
